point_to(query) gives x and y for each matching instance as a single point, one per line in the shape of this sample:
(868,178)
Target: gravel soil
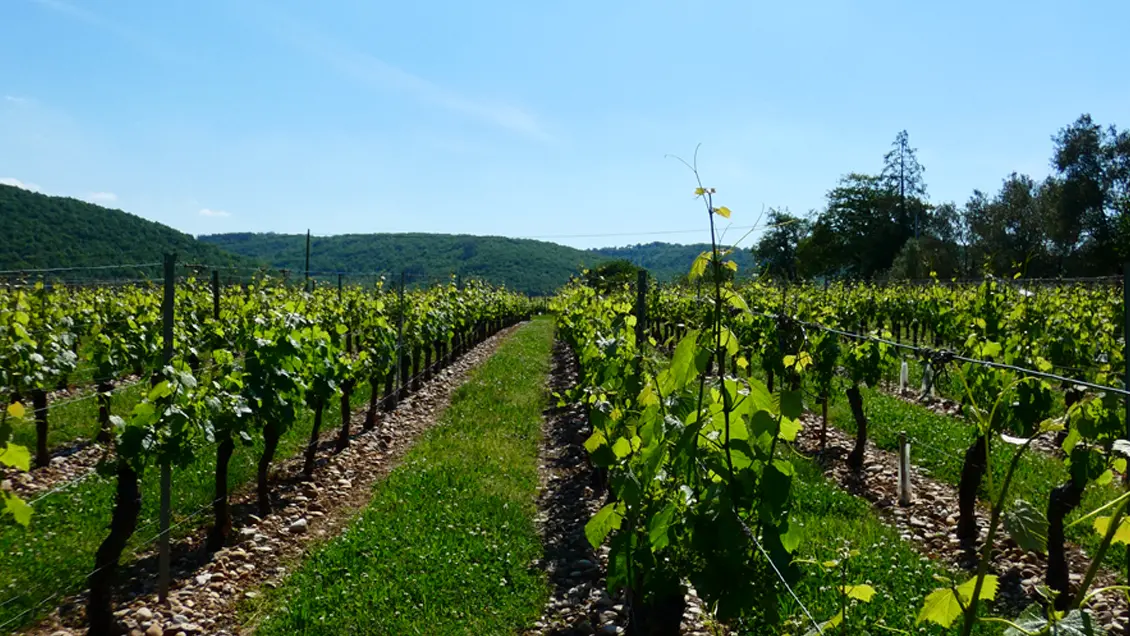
(579,602)
(209,591)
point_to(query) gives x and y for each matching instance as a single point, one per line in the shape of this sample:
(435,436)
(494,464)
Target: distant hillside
(533,267)
(668,261)
(41,231)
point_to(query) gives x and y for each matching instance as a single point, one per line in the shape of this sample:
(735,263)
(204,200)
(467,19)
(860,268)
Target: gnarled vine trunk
(855,401)
(416,358)
(271,434)
(659,617)
(1062,500)
(374,398)
(346,414)
(405,370)
(389,397)
(105,429)
(312,448)
(221,527)
(123,523)
(972,472)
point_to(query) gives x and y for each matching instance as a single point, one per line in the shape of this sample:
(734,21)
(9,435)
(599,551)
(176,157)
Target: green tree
(777,248)
(1094,165)
(902,177)
(612,275)
(861,215)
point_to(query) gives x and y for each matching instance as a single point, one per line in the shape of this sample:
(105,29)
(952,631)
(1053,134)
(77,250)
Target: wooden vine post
(307,260)
(1126,362)
(163,558)
(641,307)
(216,294)
(401,388)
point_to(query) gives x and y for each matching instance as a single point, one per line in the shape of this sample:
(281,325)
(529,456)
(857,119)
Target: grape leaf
(604,521)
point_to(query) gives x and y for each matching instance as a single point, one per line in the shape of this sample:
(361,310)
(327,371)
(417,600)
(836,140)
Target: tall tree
(1087,159)
(777,248)
(1009,231)
(902,175)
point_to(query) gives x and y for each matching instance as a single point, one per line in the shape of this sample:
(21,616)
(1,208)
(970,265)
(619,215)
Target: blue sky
(536,119)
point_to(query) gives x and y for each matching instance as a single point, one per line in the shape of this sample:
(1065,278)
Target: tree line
(1075,222)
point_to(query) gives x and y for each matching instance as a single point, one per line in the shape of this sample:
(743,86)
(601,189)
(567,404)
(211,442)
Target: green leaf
(942,607)
(827,626)
(18,509)
(1027,526)
(735,300)
(791,538)
(161,390)
(1033,621)
(790,404)
(622,448)
(16,410)
(683,368)
(728,341)
(698,267)
(16,456)
(604,521)
(789,429)
(859,592)
(595,441)
(1122,535)
(658,525)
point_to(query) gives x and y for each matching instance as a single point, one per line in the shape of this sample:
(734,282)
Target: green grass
(949,385)
(74,419)
(445,545)
(938,444)
(902,577)
(56,552)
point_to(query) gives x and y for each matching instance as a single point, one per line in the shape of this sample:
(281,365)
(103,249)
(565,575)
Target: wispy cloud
(102,197)
(19,101)
(12,181)
(371,71)
(153,45)
(214,213)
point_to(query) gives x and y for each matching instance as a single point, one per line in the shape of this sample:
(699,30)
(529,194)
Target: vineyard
(718,425)
(138,407)
(743,456)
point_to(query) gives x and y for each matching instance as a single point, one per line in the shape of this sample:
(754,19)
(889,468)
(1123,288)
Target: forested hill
(43,231)
(534,267)
(668,261)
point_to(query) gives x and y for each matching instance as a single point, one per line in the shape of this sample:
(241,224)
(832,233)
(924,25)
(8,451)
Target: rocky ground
(930,520)
(579,603)
(208,589)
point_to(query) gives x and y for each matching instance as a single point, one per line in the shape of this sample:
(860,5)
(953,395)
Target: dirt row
(929,520)
(579,603)
(212,593)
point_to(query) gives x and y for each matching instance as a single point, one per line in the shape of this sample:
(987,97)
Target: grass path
(68,526)
(446,544)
